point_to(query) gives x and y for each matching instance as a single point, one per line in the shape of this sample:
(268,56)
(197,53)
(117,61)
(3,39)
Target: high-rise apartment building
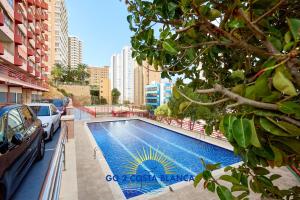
(99,78)
(143,75)
(122,74)
(157,94)
(23,50)
(75,51)
(58,35)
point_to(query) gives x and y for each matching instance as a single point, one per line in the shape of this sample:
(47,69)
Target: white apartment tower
(122,74)
(75,51)
(61,32)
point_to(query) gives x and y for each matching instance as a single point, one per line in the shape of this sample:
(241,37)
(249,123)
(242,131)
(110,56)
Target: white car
(49,115)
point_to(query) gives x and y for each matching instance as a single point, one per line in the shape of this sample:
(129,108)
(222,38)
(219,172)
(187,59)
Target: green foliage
(250,60)
(66,74)
(162,111)
(115,94)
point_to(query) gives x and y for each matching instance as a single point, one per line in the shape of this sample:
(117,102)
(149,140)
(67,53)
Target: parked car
(49,115)
(21,144)
(59,103)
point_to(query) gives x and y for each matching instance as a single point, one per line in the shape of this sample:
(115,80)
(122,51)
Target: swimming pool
(145,158)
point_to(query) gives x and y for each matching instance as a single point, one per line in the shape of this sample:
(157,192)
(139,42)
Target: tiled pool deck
(91,172)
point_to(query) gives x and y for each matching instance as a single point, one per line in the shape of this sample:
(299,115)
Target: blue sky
(101,25)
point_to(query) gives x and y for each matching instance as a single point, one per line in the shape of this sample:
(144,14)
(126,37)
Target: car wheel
(41,150)
(51,133)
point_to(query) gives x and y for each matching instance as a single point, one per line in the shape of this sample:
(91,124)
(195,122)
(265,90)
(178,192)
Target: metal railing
(52,183)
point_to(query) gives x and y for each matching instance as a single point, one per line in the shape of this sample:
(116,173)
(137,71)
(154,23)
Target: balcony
(1,49)
(1,19)
(46,58)
(37,73)
(18,61)
(29,34)
(44,5)
(30,17)
(30,2)
(46,37)
(37,16)
(18,17)
(46,47)
(46,68)
(38,45)
(37,31)
(43,65)
(45,26)
(29,67)
(18,39)
(30,51)
(38,3)
(37,59)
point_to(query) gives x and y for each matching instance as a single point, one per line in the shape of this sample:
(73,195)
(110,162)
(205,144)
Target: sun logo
(150,161)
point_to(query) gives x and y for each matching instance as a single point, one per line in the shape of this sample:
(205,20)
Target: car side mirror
(4,146)
(17,139)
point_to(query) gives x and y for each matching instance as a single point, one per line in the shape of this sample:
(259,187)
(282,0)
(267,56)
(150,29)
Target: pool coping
(114,186)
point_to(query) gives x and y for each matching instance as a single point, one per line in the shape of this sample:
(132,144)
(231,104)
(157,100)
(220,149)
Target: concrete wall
(81,93)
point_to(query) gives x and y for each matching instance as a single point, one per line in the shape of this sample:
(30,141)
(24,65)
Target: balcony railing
(29,34)
(18,61)
(37,59)
(37,73)
(37,31)
(30,17)
(30,2)
(29,67)
(18,17)
(38,45)
(18,39)
(30,51)
(1,19)
(44,5)
(1,49)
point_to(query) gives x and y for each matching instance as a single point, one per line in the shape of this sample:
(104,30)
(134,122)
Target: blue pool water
(145,158)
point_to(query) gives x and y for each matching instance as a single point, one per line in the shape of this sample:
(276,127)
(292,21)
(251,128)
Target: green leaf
(262,85)
(278,156)
(212,167)
(265,181)
(242,132)
(291,143)
(170,48)
(211,186)
(290,108)
(198,179)
(290,128)
(273,97)
(272,128)
(250,92)
(236,23)
(254,186)
(294,25)
(283,84)
(235,188)
(227,124)
(274,177)
(288,46)
(287,37)
(230,179)
(175,93)
(224,193)
(238,74)
(207,175)
(208,129)
(183,106)
(226,169)
(254,139)
(275,42)
(260,171)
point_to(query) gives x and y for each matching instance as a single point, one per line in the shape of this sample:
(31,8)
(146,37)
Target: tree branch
(269,12)
(202,103)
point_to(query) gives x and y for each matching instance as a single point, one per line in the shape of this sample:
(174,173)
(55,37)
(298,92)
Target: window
(2,128)
(41,110)
(27,116)
(3,97)
(14,124)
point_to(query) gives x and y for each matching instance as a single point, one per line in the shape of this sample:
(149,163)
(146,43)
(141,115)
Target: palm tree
(115,94)
(57,73)
(81,73)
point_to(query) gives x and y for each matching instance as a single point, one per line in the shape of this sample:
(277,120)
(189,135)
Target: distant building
(143,75)
(122,74)
(75,51)
(58,36)
(157,94)
(99,80)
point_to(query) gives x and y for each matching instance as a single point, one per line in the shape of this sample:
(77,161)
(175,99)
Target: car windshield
(58,102)
(41,110)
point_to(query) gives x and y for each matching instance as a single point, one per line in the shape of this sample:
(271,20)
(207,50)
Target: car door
(55,115)
(17,155)
(31,132)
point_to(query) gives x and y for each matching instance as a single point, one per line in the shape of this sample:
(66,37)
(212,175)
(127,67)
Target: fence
(52,183)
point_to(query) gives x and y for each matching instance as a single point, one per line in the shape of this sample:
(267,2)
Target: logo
(147,171)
